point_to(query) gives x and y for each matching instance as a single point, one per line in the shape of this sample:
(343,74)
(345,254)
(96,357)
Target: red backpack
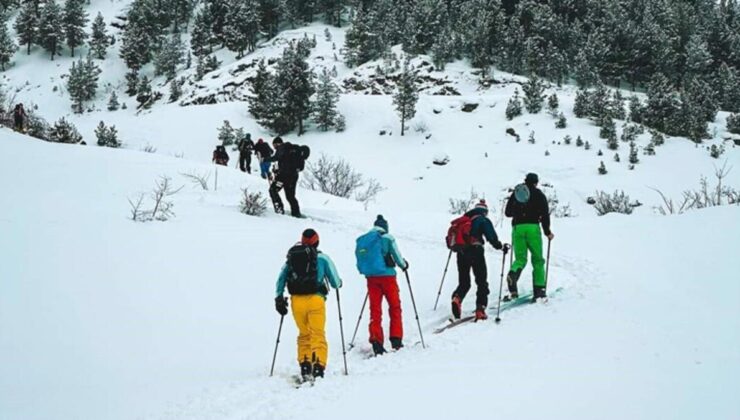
(458,235)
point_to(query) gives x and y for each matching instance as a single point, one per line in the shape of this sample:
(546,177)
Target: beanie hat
(310,237)
(482,205)
(381,223)
(277,140)
(531,178)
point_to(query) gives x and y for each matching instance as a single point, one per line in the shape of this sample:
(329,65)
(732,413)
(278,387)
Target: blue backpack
(369,254)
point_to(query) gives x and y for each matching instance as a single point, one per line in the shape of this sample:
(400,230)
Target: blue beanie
(381,223)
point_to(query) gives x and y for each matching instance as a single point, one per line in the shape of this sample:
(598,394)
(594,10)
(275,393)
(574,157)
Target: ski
(454,323)
(299,382)
(521,300)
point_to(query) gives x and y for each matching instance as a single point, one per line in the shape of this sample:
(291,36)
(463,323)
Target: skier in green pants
(528,208)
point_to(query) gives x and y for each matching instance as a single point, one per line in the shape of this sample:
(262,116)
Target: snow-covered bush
(199,180)
(514,106)
(253,203)
(562,122)
(107,136)
(556,209)
(715,151)
(461,205)
(161,202)
(336,177)
(617,202)
(706,196)
(602,169)
(64,132)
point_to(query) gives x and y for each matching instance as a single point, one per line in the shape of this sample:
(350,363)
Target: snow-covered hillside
(105,318)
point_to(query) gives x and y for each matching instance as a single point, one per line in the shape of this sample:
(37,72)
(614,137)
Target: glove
(281,305)
(405,265)
(507,247)
(498,245)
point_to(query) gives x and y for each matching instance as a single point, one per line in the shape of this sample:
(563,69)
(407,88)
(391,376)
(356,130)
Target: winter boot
(511,280)
(396,343)
(539,294)
(456,306)
(480,314)
(378,348)
(318,370)
(306,371)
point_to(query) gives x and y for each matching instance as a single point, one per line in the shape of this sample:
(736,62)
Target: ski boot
(539,295)
(306,371)
(511,280)
(456,307)
(378,348)
(396,343)
(480,314)
(318,370)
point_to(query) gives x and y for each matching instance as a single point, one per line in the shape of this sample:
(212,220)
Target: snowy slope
(104,318)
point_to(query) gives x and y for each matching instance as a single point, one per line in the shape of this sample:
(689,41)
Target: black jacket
(263,150)
(535,211)
(282,157)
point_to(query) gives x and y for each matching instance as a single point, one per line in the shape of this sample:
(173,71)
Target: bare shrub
(556,208)
(336,177)
(706,196)
(421,127)
(199,180)
(253,203)
(617,202)
(149,149)
(136,212)
(160,196)
(461,205)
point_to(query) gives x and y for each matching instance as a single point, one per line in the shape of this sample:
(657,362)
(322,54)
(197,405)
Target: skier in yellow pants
(305,273)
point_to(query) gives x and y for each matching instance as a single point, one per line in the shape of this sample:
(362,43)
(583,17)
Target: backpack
(369,254)
(521,193)
(295,158)
(302,262)
(458,235)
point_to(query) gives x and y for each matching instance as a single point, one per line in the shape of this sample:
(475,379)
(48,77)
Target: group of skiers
(308,273)
(289,160)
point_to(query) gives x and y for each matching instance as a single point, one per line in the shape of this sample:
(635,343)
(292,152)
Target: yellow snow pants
(309,312)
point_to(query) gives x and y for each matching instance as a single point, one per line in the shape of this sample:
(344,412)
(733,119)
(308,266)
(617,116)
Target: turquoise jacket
(325,270)
(390,249)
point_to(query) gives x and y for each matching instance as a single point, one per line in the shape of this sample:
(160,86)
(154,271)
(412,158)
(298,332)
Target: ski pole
(547,264)
(413,302)
(341,331)
(352,343)
(443,280)
(501,284)
(274,355)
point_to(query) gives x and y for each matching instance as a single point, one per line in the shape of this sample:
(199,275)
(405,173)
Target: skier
(377,256)
(19,118)
(245,153)
(472,256)
(263,152)
(290,160)
(528,208)
(220,157)
(305,273)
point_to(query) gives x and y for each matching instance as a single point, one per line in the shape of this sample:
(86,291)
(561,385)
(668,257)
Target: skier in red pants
(377,256)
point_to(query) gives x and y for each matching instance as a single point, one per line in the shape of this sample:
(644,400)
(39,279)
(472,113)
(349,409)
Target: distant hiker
(19,118)
(290,160)
(306,272)
(264,153)
(528,208)
(220,157)
(466,237)
(377,256)
(245,153)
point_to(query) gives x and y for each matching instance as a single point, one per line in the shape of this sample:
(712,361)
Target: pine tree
(637,109)
(406,95)
(583,72)
(132,83)
(727,83)
(362,41)
(609,132)
(82,82)
(99,40)
(263,93)
(617,158)
(7,45)
(581,107)
(241,26)
(170,56)
(531,138)
(633,159)
(587,146)
(325,107)
(107,136)
(553,103)
(657,138)
(444,49)
(698,58)
(534,96)
(617,106)
(733,123)
(579,141)
(514,107)
(567,140)
(562,122)
(51,28)
(26,25)
(75,20)
(602,168)
(144,93)
(295,80)
(176,89)
(662,106)
(113,104)
(226,134)
(64,132)
(202,34)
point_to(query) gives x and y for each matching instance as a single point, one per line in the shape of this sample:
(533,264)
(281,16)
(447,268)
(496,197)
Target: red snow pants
(377,288)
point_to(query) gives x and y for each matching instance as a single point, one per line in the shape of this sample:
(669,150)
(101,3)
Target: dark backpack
(295,158)
(458,235)
(302,261)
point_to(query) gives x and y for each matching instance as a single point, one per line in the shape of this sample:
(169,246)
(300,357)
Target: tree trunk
(403,124)
(29,48)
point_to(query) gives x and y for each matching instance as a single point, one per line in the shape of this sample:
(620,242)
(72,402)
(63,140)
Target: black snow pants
(289,183)
(472,257)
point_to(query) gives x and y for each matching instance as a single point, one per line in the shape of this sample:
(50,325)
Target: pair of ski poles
(501,282)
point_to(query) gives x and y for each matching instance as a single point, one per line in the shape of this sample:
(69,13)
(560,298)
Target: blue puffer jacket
(481,227)
(390,248)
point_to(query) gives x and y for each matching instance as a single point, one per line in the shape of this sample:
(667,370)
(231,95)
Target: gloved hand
(281,305)
(405,265)
(507,247)
(550,236)
(498,245)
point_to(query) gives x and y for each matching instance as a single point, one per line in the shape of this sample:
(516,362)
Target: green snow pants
(529,237)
